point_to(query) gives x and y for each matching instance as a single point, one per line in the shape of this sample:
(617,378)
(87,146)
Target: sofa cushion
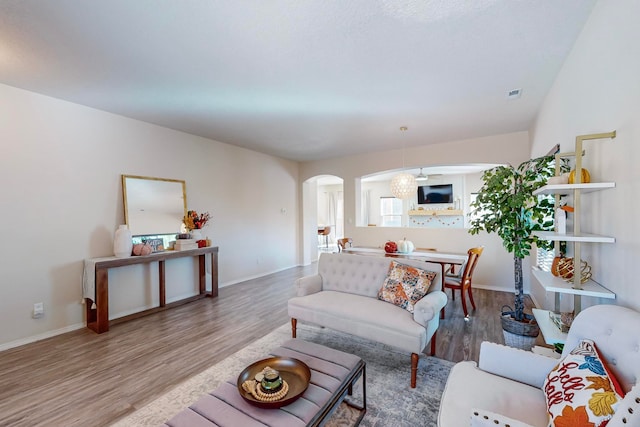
(405,285)
(469,387)
(360,274)
(580,390)
(355,274)
(368,318)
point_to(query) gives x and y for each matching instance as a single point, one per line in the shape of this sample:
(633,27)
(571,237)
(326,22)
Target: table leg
(214,275)
(162,284)
(362,408)
(202,274)
(442,266)
(101,323)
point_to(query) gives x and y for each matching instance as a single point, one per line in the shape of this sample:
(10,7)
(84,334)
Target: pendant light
(404,185)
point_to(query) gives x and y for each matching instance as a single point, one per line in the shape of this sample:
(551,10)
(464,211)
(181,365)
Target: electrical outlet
(38,310)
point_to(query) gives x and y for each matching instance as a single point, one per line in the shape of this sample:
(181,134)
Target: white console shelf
(550,331)
(436,212)
(551,283)
(571,237)
(565,189)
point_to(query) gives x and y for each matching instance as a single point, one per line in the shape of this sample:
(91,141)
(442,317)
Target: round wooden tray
(293,371)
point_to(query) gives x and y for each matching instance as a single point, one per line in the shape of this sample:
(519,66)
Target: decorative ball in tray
(274,382)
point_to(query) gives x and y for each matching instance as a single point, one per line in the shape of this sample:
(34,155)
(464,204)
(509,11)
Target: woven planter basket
(519,334)
(518,341)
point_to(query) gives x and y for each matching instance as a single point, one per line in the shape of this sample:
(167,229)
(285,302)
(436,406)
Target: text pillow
(405,285)
(580,390)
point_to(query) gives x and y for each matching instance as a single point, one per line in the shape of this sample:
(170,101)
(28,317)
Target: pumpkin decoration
(405,246)
(555,265)
(566,270)
(585,177)
(391,247)
(141,249)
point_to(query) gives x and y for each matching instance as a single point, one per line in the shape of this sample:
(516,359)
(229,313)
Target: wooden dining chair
(463,280)
(342,243)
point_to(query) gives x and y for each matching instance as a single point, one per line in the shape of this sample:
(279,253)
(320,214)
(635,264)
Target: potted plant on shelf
(506,205)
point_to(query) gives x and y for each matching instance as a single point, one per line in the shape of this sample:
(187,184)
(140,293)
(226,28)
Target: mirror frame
(150,178)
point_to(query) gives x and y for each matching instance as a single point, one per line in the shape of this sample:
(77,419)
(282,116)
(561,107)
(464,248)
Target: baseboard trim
(40,337)
(492,288)
(77,326)
(256,276)
(535,301)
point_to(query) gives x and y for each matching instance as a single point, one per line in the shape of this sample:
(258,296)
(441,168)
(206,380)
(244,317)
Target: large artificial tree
(506,205)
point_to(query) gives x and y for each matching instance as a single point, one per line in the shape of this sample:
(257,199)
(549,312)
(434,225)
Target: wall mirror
(153,206)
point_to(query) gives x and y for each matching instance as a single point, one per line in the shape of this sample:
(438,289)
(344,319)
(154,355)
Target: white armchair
(505,388)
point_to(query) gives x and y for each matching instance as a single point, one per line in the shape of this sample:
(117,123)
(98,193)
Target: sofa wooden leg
(433,344)
(414,369)
(294,323)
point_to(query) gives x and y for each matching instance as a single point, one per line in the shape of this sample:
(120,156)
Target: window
(390,212)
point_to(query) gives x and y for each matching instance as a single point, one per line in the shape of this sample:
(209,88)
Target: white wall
(376,189)
(598,90)
(495,269)
(62,202)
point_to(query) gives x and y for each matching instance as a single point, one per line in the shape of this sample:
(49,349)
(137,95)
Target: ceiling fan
(421,176)
(424,177)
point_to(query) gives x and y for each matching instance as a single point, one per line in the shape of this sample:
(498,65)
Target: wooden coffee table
(333,375)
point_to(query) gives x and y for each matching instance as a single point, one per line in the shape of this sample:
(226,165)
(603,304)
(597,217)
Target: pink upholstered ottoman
(333,374)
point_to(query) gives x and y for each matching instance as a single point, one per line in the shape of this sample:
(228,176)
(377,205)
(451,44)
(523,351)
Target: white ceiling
(300,79)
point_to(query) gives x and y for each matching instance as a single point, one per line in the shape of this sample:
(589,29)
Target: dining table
(445,259)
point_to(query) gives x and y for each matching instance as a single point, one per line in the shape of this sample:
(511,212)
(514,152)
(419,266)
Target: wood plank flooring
(82,378)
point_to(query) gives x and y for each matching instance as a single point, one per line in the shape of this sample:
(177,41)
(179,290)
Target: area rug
(390,400)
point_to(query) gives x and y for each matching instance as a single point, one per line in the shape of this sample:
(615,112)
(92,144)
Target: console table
(96,284)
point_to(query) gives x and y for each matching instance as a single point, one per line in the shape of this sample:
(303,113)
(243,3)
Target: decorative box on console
(185,244)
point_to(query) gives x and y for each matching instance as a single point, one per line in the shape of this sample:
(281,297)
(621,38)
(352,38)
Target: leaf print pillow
(580,390)
(405,285)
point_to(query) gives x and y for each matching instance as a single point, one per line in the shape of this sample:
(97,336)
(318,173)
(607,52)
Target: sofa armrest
(308,285)
(518,365)
(628,412)
(429,307)
(482,418)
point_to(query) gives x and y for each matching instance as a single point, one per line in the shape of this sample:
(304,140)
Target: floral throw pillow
(405,285)
(581,391)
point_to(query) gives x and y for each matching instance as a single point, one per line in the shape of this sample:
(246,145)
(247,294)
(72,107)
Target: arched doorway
(322,201)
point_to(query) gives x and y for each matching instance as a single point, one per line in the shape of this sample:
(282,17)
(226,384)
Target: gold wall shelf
(576,237)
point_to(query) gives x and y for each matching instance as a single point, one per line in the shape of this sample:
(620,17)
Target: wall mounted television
(429,194)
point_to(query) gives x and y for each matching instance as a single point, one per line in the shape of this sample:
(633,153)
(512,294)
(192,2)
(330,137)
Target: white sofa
(506,385)
(343,296)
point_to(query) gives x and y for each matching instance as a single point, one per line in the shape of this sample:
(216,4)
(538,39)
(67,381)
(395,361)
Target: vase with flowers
(194,222)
